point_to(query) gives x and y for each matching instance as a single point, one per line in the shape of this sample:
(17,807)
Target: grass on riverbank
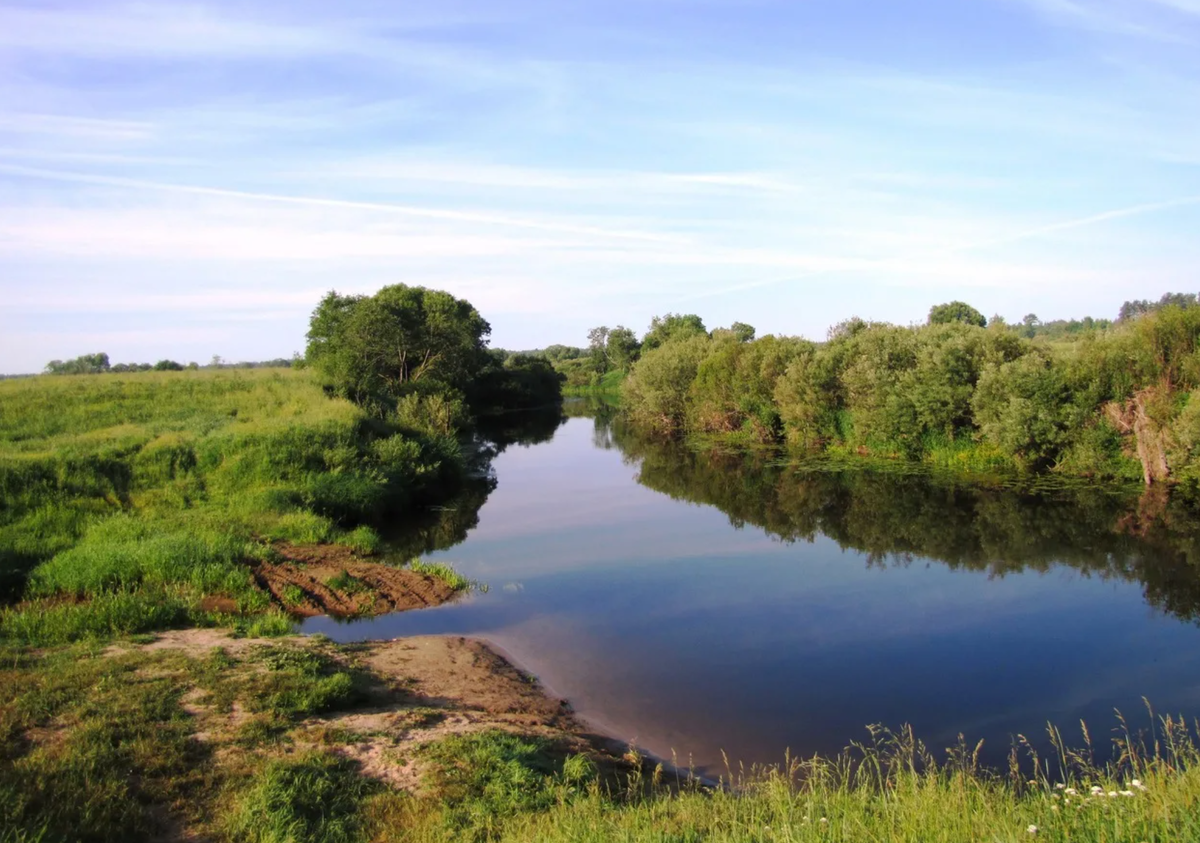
(254,744)
(131,502)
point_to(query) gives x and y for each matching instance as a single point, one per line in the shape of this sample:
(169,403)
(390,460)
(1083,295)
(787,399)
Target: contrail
(384,207)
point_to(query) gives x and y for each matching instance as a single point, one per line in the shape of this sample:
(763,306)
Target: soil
(429,688)
(301,583)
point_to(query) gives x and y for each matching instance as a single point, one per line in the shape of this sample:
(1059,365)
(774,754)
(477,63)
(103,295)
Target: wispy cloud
(781,163)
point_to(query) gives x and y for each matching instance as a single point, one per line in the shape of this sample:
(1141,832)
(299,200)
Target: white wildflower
(1032,829)
(823,820)
(1071,791)
(1127,793)
(1059,786)
(1137,784)
(1112,794)
(1097,789)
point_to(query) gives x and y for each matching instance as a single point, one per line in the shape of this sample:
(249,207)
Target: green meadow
(130,499)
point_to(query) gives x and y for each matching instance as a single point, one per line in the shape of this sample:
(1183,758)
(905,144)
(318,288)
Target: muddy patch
(331,580)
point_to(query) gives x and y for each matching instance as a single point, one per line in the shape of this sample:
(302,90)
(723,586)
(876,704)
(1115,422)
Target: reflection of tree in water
(603,414)
(895,518)
(443,526)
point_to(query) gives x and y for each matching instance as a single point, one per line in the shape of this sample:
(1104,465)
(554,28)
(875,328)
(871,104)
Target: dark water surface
(695,603)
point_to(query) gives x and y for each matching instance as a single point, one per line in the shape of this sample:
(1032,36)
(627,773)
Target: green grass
(441,571)
(171,482)
(314,798)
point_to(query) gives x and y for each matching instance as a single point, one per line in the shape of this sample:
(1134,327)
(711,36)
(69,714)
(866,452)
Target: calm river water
(695,603)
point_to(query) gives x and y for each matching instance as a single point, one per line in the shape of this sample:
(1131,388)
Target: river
(696,603)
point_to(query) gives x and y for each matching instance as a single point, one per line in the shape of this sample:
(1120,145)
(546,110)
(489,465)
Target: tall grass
(173,480)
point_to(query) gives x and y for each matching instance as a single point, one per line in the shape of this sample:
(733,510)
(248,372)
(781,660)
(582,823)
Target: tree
(381,346)
(598,348)
(623,348)
(956,311)
(673,326)
(85,364)
(743,332)
(168,366)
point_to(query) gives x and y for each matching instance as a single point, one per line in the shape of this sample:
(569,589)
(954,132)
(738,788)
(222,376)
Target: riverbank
(202,735)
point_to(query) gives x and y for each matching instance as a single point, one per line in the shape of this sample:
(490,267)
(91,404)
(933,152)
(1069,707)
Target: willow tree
(399,340)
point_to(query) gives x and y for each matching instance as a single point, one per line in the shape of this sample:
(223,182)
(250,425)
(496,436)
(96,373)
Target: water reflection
(705,601)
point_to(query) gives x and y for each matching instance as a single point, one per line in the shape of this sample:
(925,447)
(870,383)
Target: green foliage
(489,777)
(311,798)
(87,364)
(1024,408)
(734,386)
(672,327)
(1138,307)
(656,391)
(521,382)
(101,617)
(373,347)
(946,393)
(956,311)
(172,482)
(441,571)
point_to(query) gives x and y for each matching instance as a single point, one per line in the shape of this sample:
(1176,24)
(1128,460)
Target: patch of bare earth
(426,688)
(306,570)
(450,686)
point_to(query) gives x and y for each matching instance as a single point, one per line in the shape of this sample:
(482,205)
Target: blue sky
(186,179)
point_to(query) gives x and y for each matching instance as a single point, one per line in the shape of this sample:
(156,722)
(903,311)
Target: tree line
(99,364)
(1119,401)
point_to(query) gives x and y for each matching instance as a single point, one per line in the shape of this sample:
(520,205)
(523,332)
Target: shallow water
(694,603)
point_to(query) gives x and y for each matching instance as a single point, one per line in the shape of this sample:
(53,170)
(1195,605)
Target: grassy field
(130,502)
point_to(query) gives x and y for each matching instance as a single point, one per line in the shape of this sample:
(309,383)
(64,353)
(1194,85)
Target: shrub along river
(694,602)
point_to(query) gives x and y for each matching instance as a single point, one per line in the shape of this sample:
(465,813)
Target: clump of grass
(362,539)
(348,584)
(490,777)
(301,682)
(292,596)
(312,798)
(46,623)
(268,625)
(441,571)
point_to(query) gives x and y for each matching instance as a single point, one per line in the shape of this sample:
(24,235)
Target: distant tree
(168,366)
(1137,307)
(193,366)
(743,332)
(672,327)
(369,347)
(85,364)
(956,311)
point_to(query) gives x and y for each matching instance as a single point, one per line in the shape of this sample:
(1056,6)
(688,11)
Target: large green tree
(400,339)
